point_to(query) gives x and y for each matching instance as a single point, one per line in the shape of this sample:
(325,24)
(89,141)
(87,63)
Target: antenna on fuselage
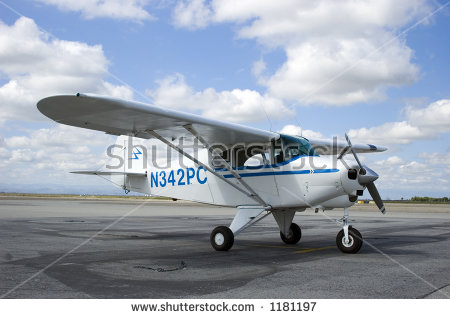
(125,163)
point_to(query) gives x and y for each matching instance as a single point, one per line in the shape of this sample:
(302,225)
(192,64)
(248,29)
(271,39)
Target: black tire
(355,241)
(222,238)
(358,235)
(295,233)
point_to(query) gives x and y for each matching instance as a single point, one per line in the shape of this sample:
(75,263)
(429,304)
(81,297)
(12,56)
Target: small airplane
(257,171)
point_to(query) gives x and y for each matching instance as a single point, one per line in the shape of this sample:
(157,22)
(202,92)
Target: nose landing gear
(349,239)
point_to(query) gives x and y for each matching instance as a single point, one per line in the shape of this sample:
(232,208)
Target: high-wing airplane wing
(119,117)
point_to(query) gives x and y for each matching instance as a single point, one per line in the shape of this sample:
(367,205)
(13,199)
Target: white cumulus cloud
(49,154)
(420,124)
(235,106)
(434,118)
(337,52)
(192,14)
(115,9)
(297,130)
(37,65)
(429,173)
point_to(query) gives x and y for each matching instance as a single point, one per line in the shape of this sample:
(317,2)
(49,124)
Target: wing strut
(196,161)
(238,177)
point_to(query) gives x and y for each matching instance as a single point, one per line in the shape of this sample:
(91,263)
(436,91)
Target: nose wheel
(352,244)
(349,240)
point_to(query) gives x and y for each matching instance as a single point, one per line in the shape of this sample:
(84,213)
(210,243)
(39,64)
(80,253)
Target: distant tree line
(430,199)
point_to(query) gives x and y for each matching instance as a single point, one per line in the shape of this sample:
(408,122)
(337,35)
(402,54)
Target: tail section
(144,166)
(127,163)
(127,154)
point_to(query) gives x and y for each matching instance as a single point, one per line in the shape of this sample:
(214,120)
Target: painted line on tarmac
(309,250)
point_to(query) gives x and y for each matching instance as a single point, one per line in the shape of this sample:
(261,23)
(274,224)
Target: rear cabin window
(242,155)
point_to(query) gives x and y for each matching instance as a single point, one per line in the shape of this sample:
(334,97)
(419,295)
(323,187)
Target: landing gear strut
(349,239)
(222,237)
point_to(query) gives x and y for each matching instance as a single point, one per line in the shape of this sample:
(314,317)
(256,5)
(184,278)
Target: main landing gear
(222,238)
(349,240)
(293,236)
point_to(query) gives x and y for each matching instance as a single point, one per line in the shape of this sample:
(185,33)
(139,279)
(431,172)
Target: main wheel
(354,244)
(222,238)
(294,235)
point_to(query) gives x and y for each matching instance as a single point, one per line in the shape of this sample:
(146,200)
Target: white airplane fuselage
(305,181)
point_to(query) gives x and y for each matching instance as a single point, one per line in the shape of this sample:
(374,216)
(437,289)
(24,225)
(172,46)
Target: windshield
(292,146)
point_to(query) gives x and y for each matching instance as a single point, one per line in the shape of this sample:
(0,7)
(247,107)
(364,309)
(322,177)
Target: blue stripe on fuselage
(305,171)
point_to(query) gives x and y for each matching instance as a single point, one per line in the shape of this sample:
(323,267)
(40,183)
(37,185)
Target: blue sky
(376,69)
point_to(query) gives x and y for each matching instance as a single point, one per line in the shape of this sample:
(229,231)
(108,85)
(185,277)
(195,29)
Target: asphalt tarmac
(66,248)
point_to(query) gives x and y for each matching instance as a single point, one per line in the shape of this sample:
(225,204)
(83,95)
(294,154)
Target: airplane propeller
(366,178)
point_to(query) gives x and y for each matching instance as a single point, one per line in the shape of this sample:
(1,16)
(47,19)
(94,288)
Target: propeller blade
(362,170)
(366,178)
(376,196)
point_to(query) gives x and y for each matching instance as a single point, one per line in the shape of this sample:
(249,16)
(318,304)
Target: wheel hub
(219,239)
(349,243)
(290,234)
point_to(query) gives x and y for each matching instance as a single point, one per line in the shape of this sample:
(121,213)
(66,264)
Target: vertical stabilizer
(127,158)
